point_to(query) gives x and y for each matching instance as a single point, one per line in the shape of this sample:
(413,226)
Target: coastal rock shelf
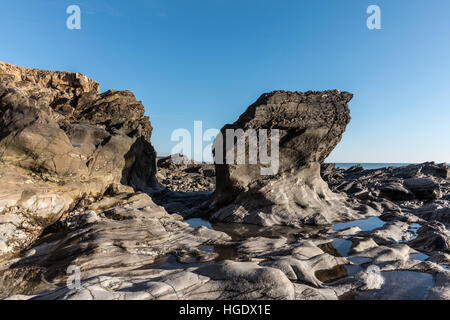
(81,200)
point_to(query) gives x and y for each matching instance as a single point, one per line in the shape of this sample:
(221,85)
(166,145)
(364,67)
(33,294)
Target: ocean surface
(369,166)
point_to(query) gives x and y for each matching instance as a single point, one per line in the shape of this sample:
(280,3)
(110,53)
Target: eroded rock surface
(62,141)
(115,236)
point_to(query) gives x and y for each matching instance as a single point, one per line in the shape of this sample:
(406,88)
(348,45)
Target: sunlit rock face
(306,127)
(61,141)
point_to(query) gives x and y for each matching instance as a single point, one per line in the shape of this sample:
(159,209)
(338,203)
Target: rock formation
(62,141)
(309,125)
(418,191)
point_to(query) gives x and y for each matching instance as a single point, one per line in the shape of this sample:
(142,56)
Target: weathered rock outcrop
(62,141)
(71,160)
(309,125)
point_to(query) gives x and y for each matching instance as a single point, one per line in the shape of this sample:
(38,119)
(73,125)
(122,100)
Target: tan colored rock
(62,141)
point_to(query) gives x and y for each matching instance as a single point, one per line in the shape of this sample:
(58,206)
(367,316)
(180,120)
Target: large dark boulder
(436,170)
(309,125)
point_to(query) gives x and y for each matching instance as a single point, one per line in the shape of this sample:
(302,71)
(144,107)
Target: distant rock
(400,189)
(424,188)
(436,170)
(396,191)
(179,173)
(174,162)
(329,172)
(355,169)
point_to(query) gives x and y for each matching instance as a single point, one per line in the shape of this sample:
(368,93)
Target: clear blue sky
(209,59)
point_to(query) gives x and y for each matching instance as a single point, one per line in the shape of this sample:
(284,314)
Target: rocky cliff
(309,125)
(62,141)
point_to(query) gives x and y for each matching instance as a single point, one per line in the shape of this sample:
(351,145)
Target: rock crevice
(309,125)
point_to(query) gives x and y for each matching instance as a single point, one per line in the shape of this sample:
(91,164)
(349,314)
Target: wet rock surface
(178,173)
(129,248)
(82,216)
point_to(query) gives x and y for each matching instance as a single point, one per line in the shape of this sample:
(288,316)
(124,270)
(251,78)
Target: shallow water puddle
(419,256)
(333,274)
(197,223)
(224,252)
(167,263)
(338,247)
(353,269)
(238,231)
(342,246)
(413,230)
(337,273)
(399,285)
(358,260)
(365,224)
(170,262)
